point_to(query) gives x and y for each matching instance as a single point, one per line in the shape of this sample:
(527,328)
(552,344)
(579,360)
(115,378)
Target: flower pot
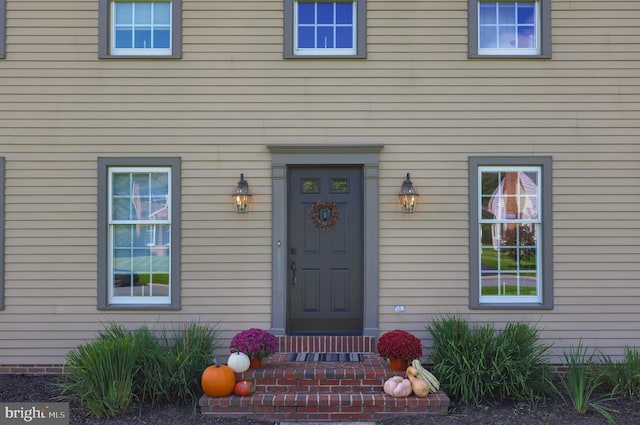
(400,365)
(255,363)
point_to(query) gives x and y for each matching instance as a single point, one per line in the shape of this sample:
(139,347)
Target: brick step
(368,376)
(330,407)
(321,391)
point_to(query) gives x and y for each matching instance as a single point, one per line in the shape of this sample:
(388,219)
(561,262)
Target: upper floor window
(139,250)
(140,28)
(509,28)
(510,247)
(325,28)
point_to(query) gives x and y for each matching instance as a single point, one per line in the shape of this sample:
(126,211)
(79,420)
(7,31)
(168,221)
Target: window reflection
(509,233)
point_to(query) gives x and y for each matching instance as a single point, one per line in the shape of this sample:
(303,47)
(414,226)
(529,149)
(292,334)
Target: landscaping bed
(29,388)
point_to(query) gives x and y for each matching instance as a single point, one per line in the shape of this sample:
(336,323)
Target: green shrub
(191,351)
(622,377)
(523,370)
(121,366)
(481,364)
(153,368)
(581,380)
(99,375)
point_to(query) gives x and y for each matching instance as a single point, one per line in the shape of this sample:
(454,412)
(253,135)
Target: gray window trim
(545,33)
(3,28)
(545,162)
(2,168)
(361,33)
(104,163)
(104,32)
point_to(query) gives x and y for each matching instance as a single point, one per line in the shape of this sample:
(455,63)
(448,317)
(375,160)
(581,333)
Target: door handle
(294,269)
(294,265)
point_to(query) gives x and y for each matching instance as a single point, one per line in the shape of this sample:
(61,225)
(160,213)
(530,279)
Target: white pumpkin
(239,362)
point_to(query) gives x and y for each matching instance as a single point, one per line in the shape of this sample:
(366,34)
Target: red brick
(323,391)
(323,416)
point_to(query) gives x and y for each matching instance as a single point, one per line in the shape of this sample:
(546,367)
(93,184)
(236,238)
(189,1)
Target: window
(140,28)
(3,23)
(325,28)
(507,28)
(1,233)
(138,240)
(511,259)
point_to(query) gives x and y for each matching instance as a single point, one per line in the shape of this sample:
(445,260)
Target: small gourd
(218,380)
(397,386)
(419,387)
(244,388)
(239,362)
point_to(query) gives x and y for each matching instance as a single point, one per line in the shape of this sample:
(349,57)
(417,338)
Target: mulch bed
(22,388)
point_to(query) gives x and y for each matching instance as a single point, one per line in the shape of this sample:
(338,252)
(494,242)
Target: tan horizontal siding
(232,93)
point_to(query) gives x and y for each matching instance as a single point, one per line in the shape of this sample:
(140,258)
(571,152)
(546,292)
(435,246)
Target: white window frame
(359,49)
(542,32)
(299,51)
(131,299)
(513,51)
(543,222)
(106,32)
(136,50)
(170,216)
(536,222)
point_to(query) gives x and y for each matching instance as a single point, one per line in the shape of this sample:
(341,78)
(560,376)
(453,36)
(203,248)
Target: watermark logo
(34,413)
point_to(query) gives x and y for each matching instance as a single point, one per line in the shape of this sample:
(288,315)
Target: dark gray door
(325,280)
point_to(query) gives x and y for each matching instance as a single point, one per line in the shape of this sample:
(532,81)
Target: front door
(325,278)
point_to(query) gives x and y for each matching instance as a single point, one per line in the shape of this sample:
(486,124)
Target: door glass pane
(310,185)
(339,185)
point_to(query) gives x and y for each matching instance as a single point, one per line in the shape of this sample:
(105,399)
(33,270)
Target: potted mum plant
(399,347)
(255,343)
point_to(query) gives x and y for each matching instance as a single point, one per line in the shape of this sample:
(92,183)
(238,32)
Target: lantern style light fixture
(408,196)
(241,196)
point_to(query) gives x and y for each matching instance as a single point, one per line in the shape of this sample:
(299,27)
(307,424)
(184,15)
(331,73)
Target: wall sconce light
(408,196)
(241,196)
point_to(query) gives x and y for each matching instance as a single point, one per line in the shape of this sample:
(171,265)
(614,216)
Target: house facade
(125,127)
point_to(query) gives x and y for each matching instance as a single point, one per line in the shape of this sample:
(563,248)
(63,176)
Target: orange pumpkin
(218,380)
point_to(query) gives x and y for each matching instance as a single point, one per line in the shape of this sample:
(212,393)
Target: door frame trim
(366,156)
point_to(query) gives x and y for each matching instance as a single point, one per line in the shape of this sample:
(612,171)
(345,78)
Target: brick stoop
(322,391)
